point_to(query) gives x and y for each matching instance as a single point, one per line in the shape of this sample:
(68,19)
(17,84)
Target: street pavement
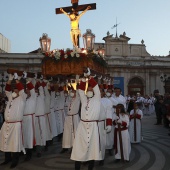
(153,153)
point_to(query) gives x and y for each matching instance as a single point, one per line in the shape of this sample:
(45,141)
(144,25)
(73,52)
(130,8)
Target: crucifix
(72,12)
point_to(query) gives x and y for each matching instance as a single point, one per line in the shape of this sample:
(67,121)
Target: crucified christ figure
(74,21)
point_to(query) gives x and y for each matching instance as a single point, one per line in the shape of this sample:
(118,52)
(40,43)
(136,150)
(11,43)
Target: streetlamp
(88,40)
(45,43)
(164,78)
(3,80)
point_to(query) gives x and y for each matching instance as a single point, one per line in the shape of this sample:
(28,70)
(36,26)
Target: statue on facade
(74,21)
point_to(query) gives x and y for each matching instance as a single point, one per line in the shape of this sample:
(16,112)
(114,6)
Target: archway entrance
(135,86)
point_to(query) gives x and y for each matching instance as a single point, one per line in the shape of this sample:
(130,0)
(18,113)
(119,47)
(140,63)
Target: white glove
(108,129)
(88,73)
(24,75)
(116,117)
(100,77)
(15,76)
(35,76)
(11,77)
(46,81)
(41,78)
(29,80)
(83,80)
(119,121)
(77,78)
(51,79)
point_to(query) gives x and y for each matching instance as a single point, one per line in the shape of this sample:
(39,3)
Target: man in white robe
(47,113)
(86,145)
(105,122)
(11,139)
(110,136)
(71,120)
(59,111)
(40,120)
(118,97)
(52,114)
(29,120)
(135,124)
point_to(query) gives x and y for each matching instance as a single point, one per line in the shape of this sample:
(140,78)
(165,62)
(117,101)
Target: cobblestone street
(152,154)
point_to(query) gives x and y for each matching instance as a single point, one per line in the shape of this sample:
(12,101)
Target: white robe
(86,144)
(29,121)
(71,121)
(138,127)
(52,115)
(48,114)
(110,136)
(105,113)
(40,120)
(125,139)
(120,99)
(11,139)
(59,112)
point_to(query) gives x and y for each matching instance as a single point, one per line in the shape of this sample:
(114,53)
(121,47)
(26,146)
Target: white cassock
(40,120)
(110,136)
(152,107)
(120,99)
(105,119)
(139,116)
(59,112)
(52,114)
(146,110)
(28,123)
(72,120)
(48,114)
(125,138)
(86,145)
(140,101)
(11,139)
(66,103)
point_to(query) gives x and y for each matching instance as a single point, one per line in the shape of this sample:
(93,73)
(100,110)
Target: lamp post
(166,79)
(45,43)
(3,80)
(88,40)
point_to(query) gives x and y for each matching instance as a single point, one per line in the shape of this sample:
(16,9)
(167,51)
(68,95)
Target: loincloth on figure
(76,31)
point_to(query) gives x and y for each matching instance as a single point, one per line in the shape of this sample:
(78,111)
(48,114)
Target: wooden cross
(77,8)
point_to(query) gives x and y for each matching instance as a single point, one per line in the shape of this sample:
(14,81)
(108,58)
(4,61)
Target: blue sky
(24,21)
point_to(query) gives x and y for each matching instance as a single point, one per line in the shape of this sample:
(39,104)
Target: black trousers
(158,116)
(90,165)
(14,156)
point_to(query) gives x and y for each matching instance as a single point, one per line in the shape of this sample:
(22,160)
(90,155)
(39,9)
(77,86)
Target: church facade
(133,69)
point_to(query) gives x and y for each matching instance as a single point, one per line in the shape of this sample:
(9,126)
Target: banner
(119,82)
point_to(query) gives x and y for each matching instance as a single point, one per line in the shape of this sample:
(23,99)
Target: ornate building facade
(134,66)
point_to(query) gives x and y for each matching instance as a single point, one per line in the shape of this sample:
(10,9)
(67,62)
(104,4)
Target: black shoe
(46,148)
(156,124)
(64,150)
(110,152)
(117,160)
(27,158)
(101,163)
(5,162)
(38,155)
(13,165)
